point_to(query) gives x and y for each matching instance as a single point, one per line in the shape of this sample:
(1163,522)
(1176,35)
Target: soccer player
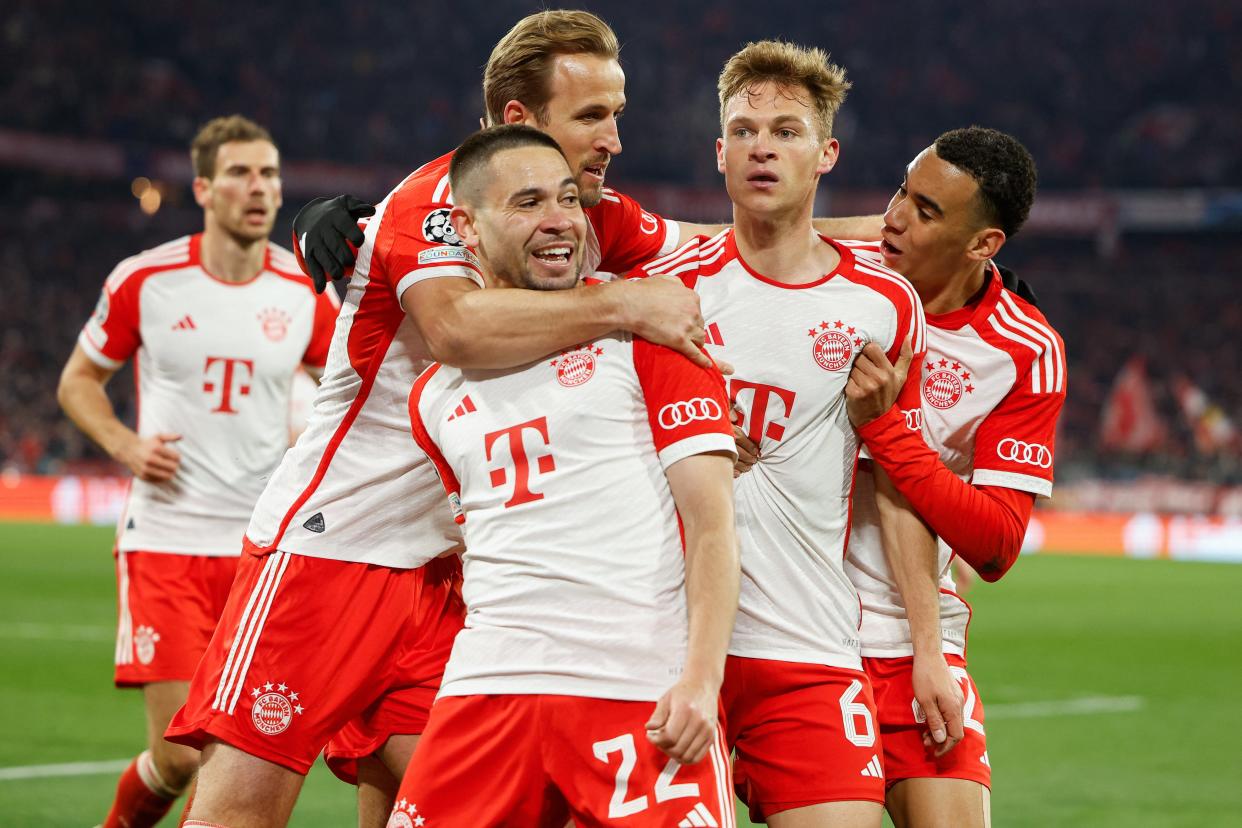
(992,385)
(790,309)
(217,323)
(586,679)
(342,614)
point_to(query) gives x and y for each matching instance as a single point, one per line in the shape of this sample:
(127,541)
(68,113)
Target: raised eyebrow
(526,192)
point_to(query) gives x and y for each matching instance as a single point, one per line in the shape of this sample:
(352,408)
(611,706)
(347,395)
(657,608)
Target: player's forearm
(913,558)
(500,328)
(85,402)
(985,527)
(862,228)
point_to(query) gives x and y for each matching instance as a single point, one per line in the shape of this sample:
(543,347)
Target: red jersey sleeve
(629,235)
(1015,443)
(420,402)
(912,325)
(113,333)
(687,407)
(327,305)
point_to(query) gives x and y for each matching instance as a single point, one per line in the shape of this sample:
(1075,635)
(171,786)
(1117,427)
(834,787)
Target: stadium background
(1108,672)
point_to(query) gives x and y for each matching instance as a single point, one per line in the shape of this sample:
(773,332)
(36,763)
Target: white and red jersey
(792,347)
(214,362)
(992,385)
(354,487)
(574,570)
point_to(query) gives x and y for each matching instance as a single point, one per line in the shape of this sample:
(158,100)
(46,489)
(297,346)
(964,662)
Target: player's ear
(986,244)
(829,150)
(463,223)
(720,162)
(202,191)
(516,112)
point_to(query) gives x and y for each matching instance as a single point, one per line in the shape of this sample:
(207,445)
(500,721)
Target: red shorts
(404,709)
(307,645)
(901,731)
(538,760)
(804,734)
(167,608)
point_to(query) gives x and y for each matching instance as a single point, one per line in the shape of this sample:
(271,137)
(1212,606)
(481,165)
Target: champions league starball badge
(437,228)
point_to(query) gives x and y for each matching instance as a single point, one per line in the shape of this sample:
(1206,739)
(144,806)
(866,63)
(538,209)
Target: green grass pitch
(1112,689)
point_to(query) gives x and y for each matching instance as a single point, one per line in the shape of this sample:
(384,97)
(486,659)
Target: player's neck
(784,249)
(955,291)
(230,259)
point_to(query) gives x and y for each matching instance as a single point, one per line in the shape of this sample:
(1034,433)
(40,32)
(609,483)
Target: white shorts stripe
(243,631)
(724,784)
(254,639)
(125,622)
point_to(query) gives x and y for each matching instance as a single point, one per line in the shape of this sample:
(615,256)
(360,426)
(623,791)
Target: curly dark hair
(1000,165)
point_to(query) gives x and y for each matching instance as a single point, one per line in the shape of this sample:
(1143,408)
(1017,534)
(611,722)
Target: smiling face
(771,152)
(242,196)
(933,225)
(526,222)
(587,99)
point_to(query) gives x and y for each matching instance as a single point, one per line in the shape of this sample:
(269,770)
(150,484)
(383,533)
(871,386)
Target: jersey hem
(907,650)
(1013,480)
(559,686)
(162,549)
(698,444)
(799,657)
(423,273)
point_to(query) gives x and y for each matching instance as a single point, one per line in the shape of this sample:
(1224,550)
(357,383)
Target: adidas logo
(315,523)
(130,525)
(873,768)
(984,759)
(466,406)
(185,324)
(699,817)
(713,335)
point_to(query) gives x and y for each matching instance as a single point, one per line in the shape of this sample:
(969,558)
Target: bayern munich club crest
(946,383)
(274,707)
(576,367)
(405,815)
(275,323)
(145,639)
(835,344)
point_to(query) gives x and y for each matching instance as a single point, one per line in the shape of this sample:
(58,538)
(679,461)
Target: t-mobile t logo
(521,460)
(754,399)
(231,377)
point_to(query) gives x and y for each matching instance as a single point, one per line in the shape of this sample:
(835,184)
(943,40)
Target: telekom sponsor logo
(1030,454)
(513,435)
(685,412)
(230,377)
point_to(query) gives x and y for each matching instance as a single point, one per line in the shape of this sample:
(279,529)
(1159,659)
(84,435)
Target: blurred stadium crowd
(1105,98)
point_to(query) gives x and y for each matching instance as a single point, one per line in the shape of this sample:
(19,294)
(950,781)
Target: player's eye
(786,133)
(741,132)
(569,200)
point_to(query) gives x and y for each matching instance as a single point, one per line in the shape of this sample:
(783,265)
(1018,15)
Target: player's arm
(82,397)
(468,327)
(983,524)
(863,228)
(684,722)
(913,558)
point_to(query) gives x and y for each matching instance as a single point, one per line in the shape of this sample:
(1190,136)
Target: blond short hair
(218,131)
(786,65)
(520,67)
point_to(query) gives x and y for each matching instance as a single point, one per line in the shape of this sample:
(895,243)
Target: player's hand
(151,459)
(941,700)
(322,229)
(684,722)
(662,310)
(747,451)
(875,382)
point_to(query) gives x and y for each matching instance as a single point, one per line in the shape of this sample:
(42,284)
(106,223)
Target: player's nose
(609,138)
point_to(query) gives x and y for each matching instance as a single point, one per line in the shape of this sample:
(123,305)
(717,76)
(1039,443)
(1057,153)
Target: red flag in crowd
(1130,421)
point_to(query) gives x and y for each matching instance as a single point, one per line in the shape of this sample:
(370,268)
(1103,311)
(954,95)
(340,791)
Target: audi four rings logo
(687,411)
(1032,454)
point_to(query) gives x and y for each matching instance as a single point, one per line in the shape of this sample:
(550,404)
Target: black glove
(321,230)
(1015,285)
